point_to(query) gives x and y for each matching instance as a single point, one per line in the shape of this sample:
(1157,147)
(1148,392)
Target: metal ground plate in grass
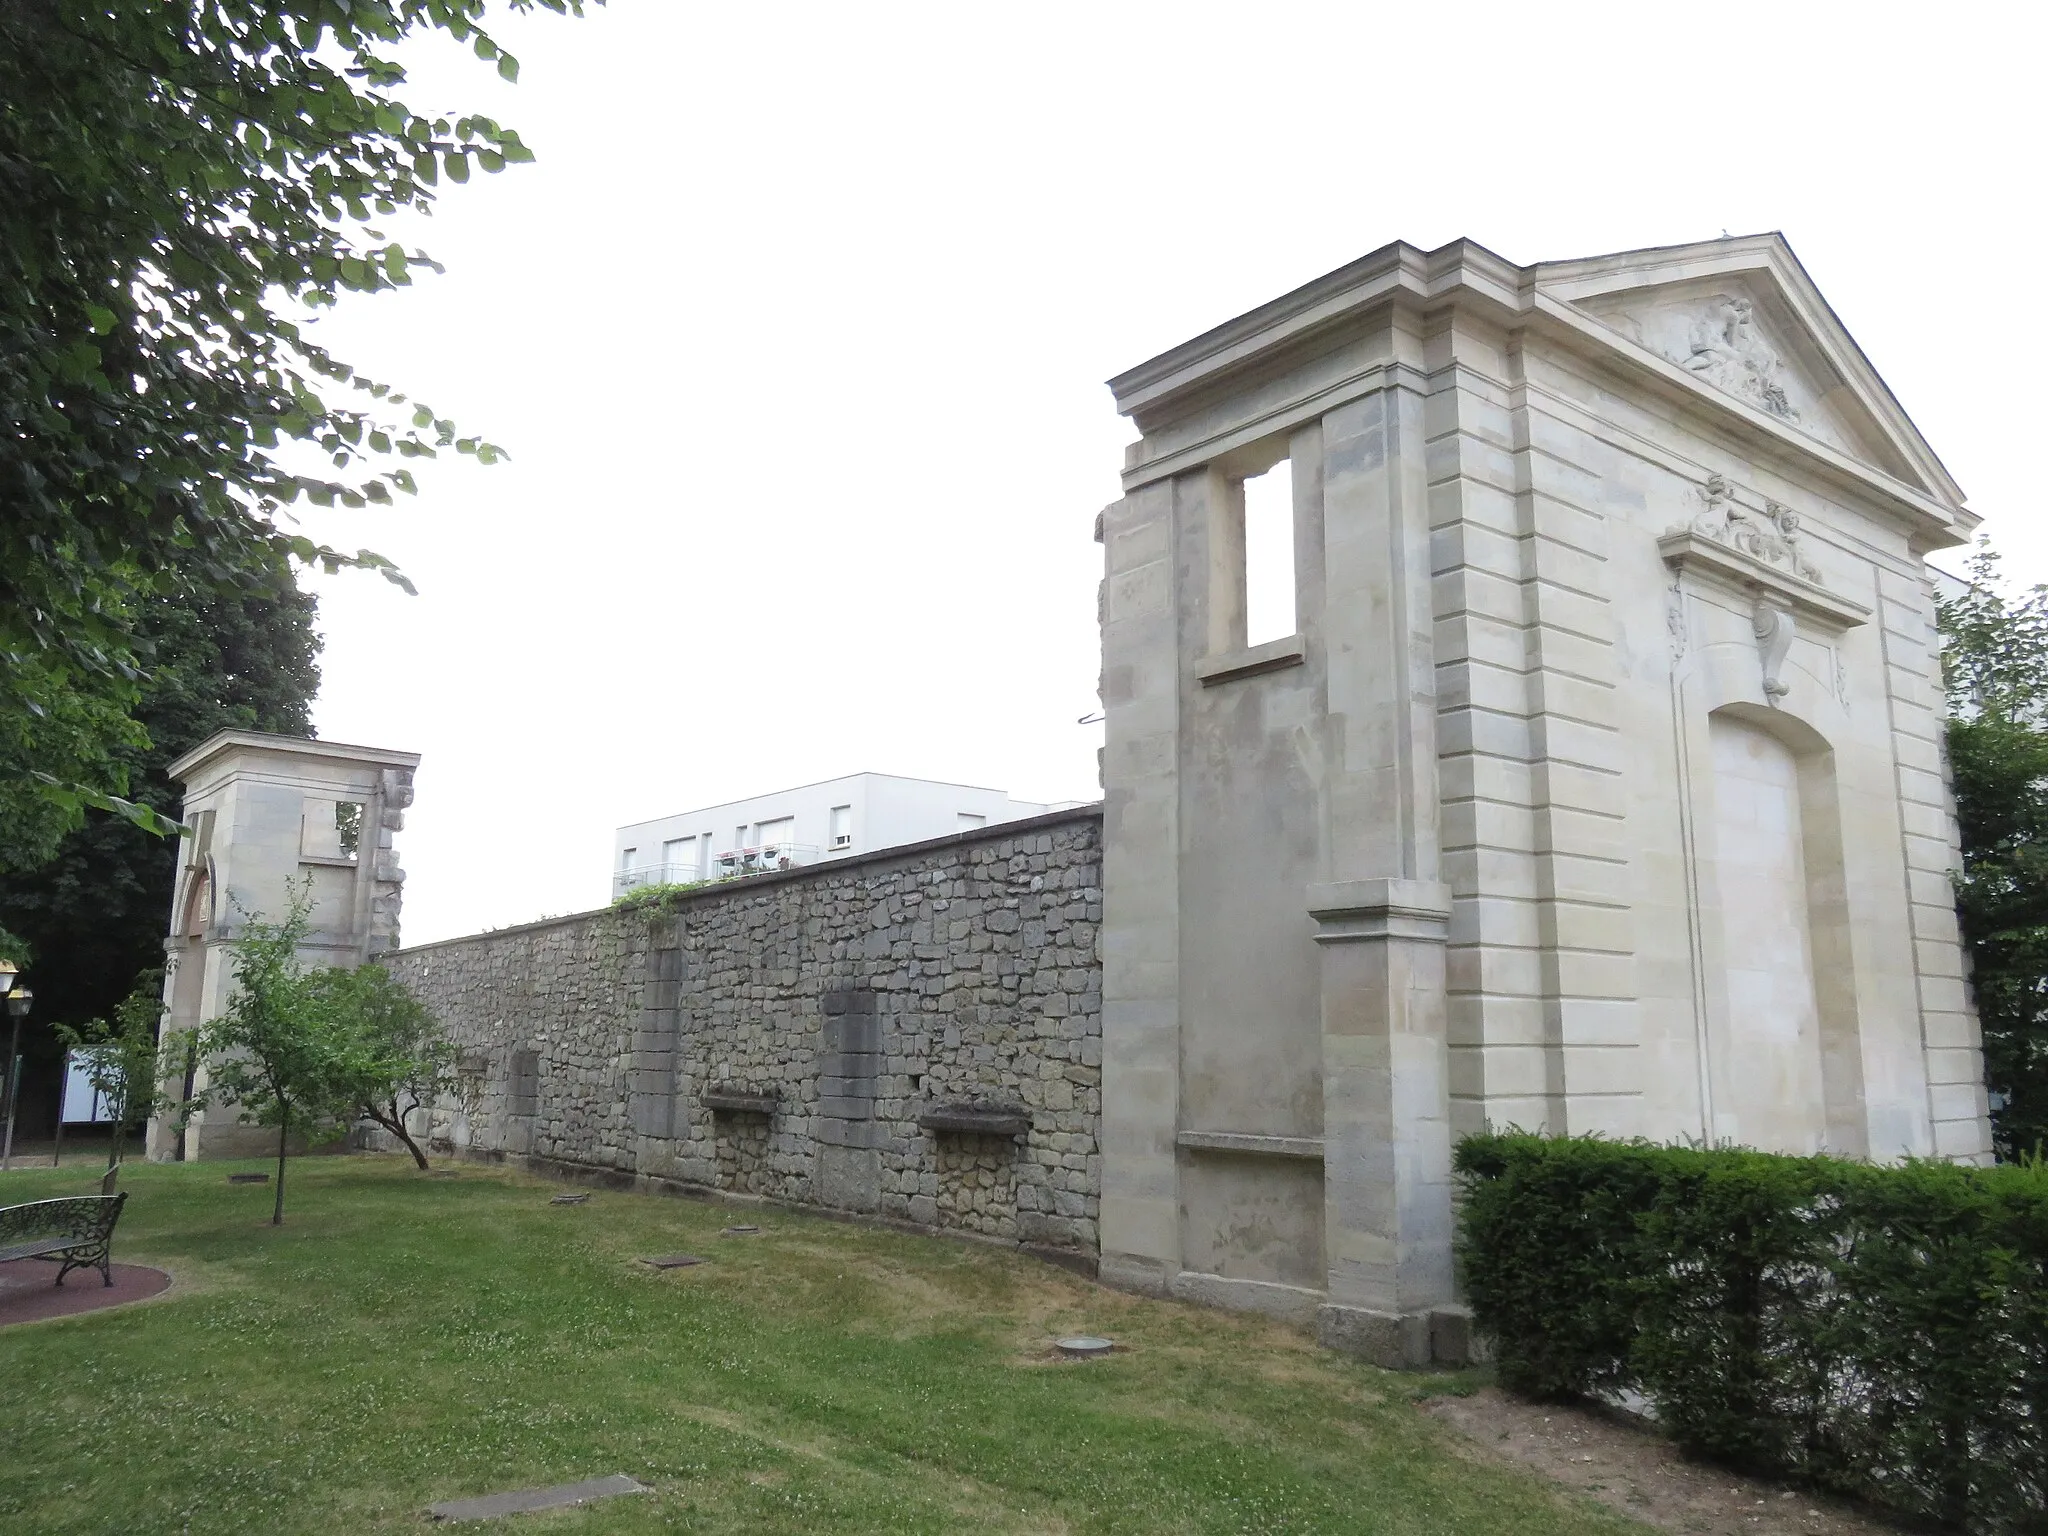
(492,1505)
(1083,1346)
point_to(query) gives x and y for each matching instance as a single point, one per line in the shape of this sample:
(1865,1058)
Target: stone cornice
(300,746)
(1329,302)
(1283,417)
(1464,275)
(1694,554)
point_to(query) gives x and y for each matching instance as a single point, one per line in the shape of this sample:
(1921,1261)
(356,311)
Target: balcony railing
(729,865)
(769,856)
(655,874)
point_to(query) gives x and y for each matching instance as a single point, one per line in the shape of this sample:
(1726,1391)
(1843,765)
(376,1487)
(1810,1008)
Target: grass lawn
(402,1340)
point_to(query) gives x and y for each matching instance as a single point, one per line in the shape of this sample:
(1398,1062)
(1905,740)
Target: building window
(967,821)
(777,834)
(1269,610)
(841,826)
(679,859)
(627,856)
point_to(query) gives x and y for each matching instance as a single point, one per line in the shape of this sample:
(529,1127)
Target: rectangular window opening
(969,820)
(329,828)
(1269,555)
(841,828)
(348,825)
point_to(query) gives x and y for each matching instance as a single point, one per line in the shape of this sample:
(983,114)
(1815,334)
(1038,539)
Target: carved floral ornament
(1754,554)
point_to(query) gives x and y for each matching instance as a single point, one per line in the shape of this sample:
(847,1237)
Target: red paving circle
(28,1292)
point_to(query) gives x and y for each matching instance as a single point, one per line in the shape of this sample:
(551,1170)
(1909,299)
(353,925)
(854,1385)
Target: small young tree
(122,1060)
(273,1052)
(391,1057)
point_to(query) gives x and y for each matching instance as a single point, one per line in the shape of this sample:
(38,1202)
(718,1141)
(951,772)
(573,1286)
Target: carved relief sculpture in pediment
(1725,348)
(1720,340)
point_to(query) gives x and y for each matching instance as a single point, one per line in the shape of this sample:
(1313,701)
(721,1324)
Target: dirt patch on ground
(1636,1471)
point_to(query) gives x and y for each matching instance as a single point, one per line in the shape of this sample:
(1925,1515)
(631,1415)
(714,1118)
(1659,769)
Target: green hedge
(1882,1331)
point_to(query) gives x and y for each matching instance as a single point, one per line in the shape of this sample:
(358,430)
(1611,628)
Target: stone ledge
(1250,660)
(727,1098)
(1387,908)
(976,1119)
(1308,1147)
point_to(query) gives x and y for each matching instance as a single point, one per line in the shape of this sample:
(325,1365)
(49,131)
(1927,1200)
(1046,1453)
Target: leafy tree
(124,1061)
(176,179)
(92,916)
(1996,659)
(390,1055)
(272,1053)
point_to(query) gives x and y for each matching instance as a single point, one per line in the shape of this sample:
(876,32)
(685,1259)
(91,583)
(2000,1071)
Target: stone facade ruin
(1595,785)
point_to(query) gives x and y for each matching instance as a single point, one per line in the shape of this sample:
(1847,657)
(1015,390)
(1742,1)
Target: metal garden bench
(77,1231)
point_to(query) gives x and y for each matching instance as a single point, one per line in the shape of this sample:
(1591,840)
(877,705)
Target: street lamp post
(18,1000)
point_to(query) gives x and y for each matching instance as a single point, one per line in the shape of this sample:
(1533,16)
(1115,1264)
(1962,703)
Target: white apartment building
(855,814)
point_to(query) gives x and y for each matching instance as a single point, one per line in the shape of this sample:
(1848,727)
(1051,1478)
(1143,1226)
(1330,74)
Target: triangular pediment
(1740,318)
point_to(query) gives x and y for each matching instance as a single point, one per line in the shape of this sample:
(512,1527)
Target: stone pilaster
(1382,919)
(1386,1121)
(1141,664)
(1951,1044)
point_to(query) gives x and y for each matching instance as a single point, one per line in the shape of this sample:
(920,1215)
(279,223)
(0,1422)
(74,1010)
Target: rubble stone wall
(783,1035)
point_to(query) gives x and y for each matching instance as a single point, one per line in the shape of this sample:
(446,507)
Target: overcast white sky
(796,334)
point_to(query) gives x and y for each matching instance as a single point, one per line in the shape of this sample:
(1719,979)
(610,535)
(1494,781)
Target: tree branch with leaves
(178,182)
(1995,662)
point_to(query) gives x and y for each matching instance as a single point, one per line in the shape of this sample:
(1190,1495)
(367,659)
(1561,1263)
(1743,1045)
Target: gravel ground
(1636,1471)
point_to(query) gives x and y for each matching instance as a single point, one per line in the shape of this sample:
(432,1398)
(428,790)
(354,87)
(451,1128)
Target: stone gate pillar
(267,812)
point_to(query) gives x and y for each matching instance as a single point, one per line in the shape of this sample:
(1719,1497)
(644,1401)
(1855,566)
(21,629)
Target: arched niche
(1773,948)
(188,949)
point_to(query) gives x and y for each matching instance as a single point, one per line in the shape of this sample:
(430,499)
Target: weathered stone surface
(841,1001)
